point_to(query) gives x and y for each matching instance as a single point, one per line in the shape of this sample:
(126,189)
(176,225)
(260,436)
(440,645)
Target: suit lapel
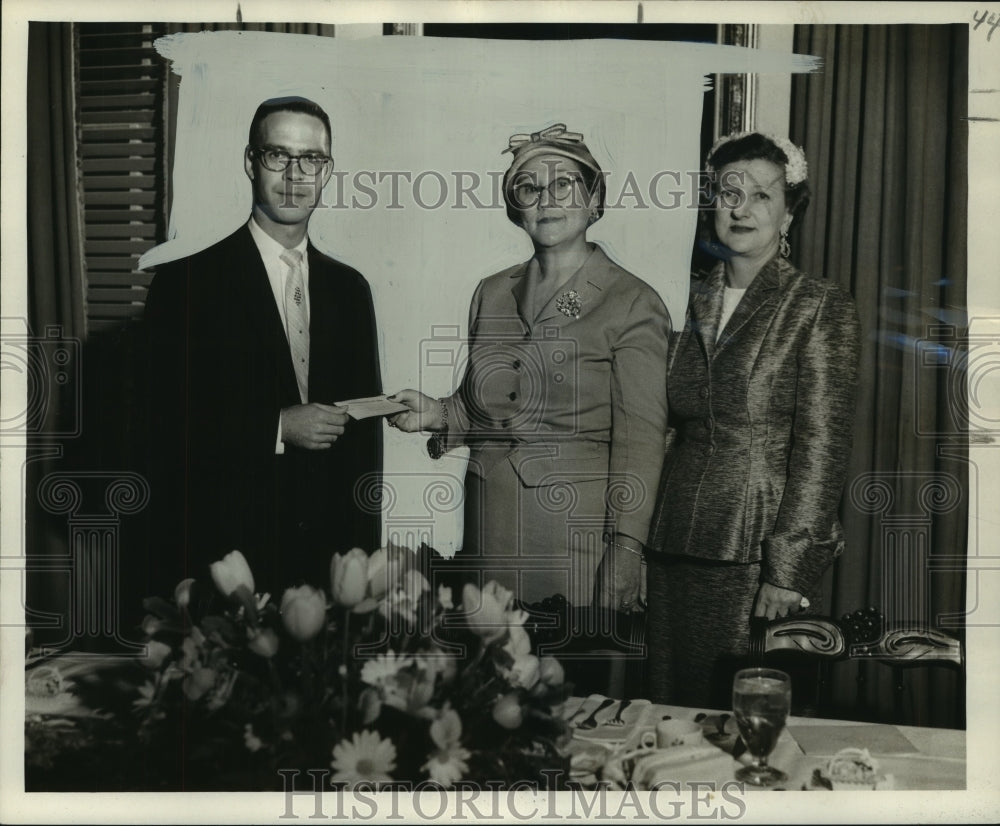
(706,307)
(590,281)
(762,292)
(325,326)
(260,303)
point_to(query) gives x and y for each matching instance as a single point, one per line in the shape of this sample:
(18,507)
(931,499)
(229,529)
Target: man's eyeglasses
(528,194)
(278,160)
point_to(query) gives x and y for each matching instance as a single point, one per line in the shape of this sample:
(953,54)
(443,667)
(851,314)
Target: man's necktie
(296,319)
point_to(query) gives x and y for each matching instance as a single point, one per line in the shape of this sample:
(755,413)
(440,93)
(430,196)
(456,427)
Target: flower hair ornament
(796,170)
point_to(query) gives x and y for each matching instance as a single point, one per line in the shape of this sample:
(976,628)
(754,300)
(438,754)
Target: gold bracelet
(627,548)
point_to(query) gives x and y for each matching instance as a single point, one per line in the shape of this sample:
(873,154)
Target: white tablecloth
(917,758)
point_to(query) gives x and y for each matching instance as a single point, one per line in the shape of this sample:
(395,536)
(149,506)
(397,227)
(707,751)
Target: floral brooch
(569,304)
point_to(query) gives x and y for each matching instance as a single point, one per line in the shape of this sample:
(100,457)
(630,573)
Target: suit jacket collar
(595,275)
(706,303)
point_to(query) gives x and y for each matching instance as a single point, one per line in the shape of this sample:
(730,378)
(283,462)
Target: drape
(56,299)
(886,141)
(56,293)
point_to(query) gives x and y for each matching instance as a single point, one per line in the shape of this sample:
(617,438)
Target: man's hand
(312,426)
(773,602)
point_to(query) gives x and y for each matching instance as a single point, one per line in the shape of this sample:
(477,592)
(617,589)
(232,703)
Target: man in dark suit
(252,341)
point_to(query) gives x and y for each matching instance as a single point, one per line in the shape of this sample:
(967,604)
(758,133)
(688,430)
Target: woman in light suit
(761,388)
(563,394)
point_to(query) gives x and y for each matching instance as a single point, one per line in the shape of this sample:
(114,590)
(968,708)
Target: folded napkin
(682,764)
(828,740)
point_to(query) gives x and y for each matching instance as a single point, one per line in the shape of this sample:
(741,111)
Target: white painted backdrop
(433,108)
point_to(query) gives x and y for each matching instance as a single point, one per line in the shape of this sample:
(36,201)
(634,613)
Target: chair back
(863,636)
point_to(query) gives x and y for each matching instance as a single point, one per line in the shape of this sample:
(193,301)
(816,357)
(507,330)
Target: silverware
(591,721)
(617,719)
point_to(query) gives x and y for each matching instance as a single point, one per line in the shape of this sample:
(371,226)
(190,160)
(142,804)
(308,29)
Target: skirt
(697,628)
(536,541)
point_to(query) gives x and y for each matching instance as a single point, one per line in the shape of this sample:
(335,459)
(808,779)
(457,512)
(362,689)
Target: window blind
(121,106)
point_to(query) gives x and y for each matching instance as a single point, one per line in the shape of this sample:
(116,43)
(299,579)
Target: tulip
(156,653)
(411,690)
(517,617)
(198,682)
(503,596)
(370,705)
(551,672)
(265,643)
(378,573)
(349,577)
(519,643)
(231,574)
(414,585)
(444,597)
(486,609)
(191,649)
(182,593)
(303,611)
(508,712)
(524,673)
(150,625)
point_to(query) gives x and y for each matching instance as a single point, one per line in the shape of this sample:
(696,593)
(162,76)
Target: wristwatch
(437,444)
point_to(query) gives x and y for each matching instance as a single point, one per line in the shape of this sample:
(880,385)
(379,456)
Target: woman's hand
(424,412)
(773,602)
(621,579)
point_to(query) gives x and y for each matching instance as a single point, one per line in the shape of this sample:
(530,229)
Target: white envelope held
(371,406)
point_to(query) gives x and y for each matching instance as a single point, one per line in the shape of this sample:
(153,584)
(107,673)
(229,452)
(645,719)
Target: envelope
(371,406)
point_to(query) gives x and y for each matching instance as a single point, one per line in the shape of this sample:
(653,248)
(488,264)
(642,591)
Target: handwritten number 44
(993,22)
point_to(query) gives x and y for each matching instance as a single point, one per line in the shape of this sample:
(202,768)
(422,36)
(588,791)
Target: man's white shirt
(277,273)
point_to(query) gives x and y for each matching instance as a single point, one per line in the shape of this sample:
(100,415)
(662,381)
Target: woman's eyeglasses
(527,194)
(278,160)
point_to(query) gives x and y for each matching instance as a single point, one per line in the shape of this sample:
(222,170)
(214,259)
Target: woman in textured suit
(563,394)
(761,387)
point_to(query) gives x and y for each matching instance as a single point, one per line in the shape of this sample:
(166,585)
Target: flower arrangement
(379,681)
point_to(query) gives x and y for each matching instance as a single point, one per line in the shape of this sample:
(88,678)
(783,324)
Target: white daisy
(365,757)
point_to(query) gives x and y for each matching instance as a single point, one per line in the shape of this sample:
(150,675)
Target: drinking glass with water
(762,698)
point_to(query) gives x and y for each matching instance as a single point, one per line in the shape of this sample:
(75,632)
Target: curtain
(886,140)
(56,298)
(56,292)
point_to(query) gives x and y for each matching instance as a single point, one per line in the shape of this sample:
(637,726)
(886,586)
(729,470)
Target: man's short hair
(288,104)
